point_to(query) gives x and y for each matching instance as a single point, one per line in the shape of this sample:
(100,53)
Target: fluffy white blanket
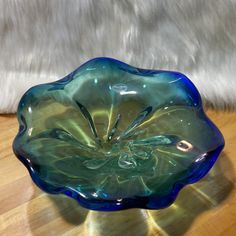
(43,40)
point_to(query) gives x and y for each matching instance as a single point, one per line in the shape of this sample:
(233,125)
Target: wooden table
(207,208)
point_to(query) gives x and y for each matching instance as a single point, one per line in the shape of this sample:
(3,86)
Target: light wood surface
(207,208)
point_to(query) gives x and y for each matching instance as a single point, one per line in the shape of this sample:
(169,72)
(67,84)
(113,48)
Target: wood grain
(206,208)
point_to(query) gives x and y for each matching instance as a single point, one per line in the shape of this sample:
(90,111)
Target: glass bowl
(113,136)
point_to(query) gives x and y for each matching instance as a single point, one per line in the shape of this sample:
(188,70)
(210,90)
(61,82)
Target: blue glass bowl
(113,136)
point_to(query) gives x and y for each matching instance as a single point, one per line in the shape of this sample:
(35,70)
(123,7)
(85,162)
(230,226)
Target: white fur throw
(43,40)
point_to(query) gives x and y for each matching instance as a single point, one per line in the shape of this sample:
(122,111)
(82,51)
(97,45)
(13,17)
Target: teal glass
(113,136)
